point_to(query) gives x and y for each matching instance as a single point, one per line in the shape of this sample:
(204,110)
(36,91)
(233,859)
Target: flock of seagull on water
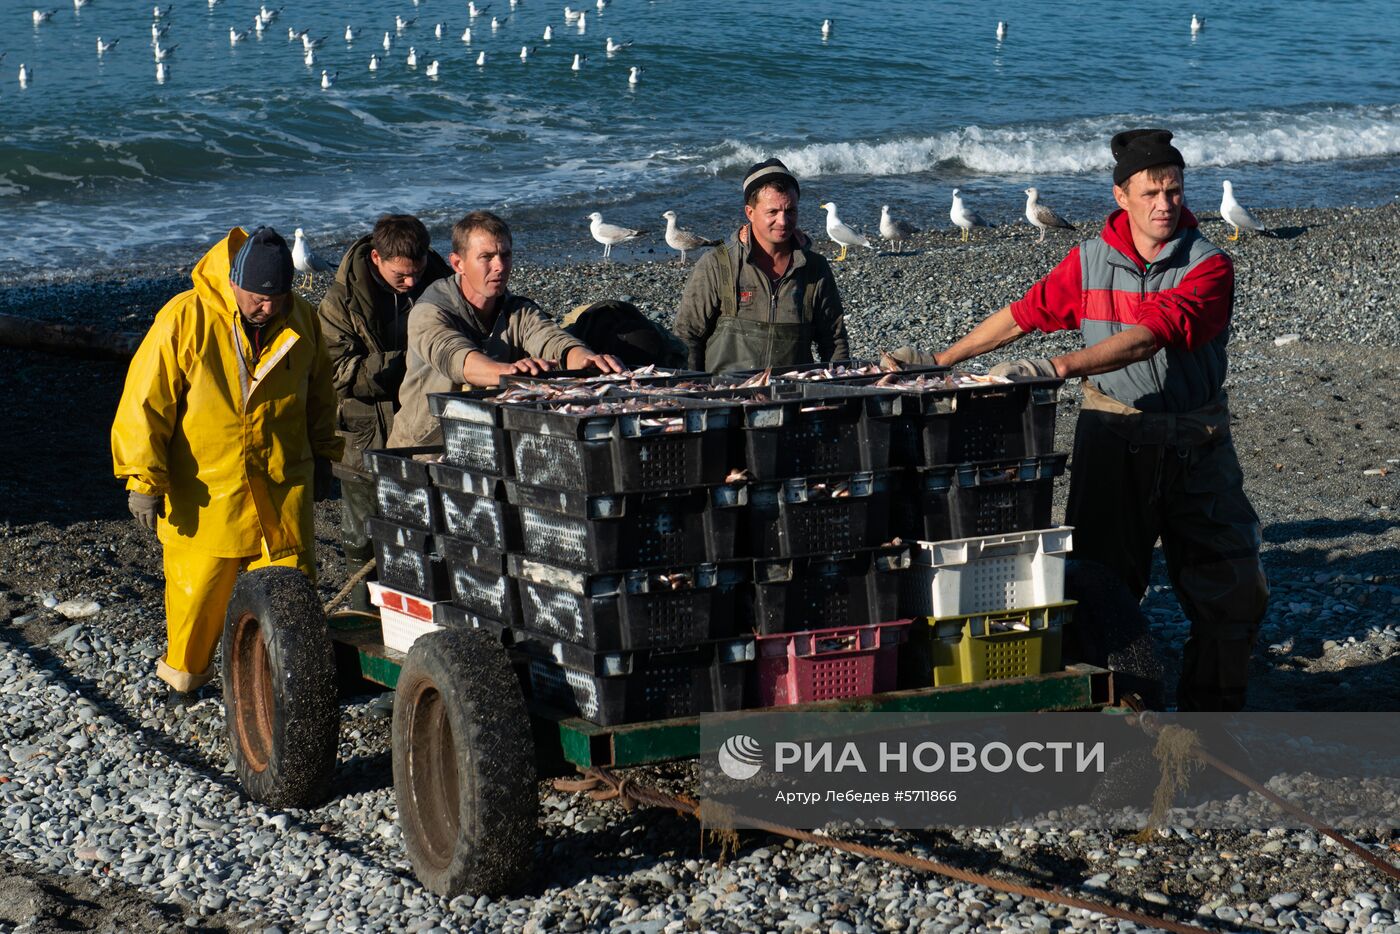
(894,230)
(310,46)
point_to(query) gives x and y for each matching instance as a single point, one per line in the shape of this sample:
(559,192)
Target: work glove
(321,484)
(911,357)
(1039,368)
(144,508)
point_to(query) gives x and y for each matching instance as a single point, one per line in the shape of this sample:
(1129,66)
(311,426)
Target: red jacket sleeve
(1192,314)
(1055,302)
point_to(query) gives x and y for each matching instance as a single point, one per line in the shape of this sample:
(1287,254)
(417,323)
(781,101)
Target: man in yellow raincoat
(224,433)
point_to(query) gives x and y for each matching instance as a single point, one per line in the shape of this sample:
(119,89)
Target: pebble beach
(119,813)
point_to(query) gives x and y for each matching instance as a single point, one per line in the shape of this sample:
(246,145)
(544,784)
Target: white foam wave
(1082,146)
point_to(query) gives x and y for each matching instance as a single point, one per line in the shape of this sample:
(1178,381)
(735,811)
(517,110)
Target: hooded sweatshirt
(1184,296)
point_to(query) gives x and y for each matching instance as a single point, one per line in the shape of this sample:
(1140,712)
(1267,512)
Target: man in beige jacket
(467,331)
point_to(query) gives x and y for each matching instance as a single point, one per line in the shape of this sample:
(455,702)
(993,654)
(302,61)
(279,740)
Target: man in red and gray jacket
(1152,453)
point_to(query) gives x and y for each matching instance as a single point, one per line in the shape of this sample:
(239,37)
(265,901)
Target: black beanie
(764,172)
(264,264)
(1135,150)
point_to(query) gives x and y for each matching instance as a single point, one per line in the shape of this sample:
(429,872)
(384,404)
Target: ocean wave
(1081,146)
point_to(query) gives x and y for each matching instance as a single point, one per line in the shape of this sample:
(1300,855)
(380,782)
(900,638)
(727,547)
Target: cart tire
(1110,631)
(279,681)
(464,766)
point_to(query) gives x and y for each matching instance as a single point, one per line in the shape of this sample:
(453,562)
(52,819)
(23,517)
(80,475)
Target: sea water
(1298,103)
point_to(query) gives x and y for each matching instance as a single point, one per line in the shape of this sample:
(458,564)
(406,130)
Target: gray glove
(144,507)
(910,357)
(1039,368)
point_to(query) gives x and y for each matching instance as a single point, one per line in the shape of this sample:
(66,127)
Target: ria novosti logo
(741,757)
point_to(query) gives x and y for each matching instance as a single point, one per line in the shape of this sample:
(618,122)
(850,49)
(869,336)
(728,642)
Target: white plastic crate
(987,574)
(403,616)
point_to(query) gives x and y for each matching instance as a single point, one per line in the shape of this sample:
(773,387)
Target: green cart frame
(466,745)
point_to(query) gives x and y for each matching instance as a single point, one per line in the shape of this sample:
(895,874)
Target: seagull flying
(105,47)
(840,233)
(683,240)
(1236,214)
(634,76)
(610,235)
(328,80)
(43,16)
(305,261)
(1040,215)
(1001,30)
(1197,24)
(827,26)
(893,230)
(963,217)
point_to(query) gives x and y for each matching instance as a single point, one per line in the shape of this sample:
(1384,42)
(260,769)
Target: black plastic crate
(945,424)
(451,616)
(987,498)
(479,582)
(819,515)
(623,531)
(474,507)
(676,443)
(402,488)
(472,436)
(797,430)
(615,687)
(407,559)
(631,609)
(828,591)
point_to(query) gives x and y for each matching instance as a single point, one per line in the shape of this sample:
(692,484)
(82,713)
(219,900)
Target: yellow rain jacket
(227,437)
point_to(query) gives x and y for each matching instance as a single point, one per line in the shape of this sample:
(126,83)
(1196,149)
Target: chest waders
(744,343)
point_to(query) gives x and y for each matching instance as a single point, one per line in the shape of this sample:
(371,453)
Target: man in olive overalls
(763,298)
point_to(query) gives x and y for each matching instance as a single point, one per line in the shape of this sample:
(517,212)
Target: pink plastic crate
(827,664)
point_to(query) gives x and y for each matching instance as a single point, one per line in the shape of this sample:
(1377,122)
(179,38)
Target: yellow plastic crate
(992,646)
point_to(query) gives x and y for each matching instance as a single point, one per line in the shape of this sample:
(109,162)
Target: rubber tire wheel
(280,692)
(464,766)
(1110,631)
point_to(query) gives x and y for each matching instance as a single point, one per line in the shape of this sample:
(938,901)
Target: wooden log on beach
(69,340)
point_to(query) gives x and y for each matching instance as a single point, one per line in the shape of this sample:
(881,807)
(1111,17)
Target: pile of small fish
(660,423)
(840,371)
(549,392)
(935,381)
(840,490)
(677,580)
(651,369)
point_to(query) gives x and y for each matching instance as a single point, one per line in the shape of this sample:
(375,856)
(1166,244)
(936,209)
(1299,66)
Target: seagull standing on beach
(1040,215)
(610,235)
(305,261)
(683,240)
(895,231)
(840,233)
(1236,214)
(963,217)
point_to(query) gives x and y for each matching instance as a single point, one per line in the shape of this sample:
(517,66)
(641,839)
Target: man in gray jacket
(763,298)
(467,331)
